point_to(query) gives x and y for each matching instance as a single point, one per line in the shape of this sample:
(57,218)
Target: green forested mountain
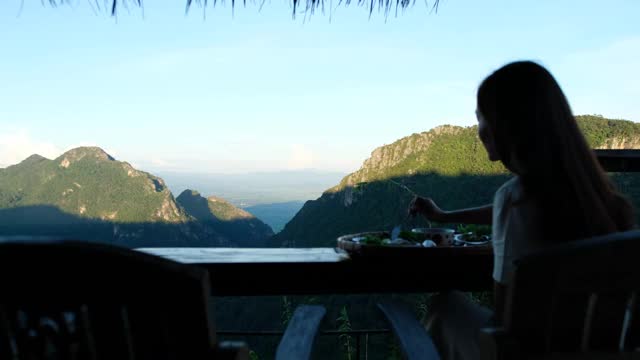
(87,194)
(219,215)
(447,163)
(91,184)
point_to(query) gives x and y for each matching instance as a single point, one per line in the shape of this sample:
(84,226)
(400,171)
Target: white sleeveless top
(516,231)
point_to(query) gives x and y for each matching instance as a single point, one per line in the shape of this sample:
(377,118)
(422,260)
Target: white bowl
(440,236)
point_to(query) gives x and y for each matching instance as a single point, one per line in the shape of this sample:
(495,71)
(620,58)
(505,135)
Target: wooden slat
(629,317)
(126,333)
(608,321)
(298,339)
(7,338)
(588,322)
(627,320)
(416,344)
(87,332)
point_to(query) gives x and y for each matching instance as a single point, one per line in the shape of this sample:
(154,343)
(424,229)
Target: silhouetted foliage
(307,7)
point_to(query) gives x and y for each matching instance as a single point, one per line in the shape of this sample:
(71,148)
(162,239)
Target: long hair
(537,137)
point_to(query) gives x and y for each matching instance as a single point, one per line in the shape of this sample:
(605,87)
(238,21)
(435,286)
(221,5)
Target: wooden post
(366,347)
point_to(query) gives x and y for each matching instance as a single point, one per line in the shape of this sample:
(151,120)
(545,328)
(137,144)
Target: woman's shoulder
(512,189)
(511,184)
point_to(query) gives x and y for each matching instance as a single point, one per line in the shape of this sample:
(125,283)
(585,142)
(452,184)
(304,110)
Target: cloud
(17,145)
(300,158)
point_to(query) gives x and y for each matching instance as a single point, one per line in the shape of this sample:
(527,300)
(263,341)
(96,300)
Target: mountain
(85,193)
(90,183)
(447,163)
(221,216)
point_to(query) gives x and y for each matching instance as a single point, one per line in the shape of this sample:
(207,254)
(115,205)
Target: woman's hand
(427,208)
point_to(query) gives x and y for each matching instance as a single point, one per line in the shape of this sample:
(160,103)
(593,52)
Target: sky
(256,90)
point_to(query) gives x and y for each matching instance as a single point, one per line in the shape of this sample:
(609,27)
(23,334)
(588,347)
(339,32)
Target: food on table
(429,243)
(383,239)
(471,237)
(411,236)
(426,237)
(371,239)
(440,236)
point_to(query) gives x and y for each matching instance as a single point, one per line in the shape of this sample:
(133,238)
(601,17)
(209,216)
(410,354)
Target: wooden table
(282,271)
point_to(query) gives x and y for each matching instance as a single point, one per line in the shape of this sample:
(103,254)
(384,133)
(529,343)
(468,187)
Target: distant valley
(273,197)
(276,215)
(250,189)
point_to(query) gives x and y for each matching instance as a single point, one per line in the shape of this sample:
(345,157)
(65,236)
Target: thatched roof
(310,6)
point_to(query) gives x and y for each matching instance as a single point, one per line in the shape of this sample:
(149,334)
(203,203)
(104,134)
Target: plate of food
(471,239)
(439,236)
(472,235)
(407,241)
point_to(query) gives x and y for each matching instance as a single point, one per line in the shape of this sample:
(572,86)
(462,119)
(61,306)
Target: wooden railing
(619,160)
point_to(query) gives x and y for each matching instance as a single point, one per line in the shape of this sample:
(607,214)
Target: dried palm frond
(310,6)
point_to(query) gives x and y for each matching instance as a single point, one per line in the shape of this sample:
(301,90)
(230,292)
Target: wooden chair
(414,341)
(299,337)
(577,300)
(78,300)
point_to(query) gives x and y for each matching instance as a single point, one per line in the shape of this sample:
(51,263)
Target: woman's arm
(428,208)
(479,215)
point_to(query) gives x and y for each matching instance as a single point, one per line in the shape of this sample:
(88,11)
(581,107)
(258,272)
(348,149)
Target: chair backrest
(76,300)
(578,297)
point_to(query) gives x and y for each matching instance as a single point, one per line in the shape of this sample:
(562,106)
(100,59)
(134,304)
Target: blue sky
(259,91)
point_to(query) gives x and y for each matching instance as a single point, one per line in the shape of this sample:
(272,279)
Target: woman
(558,193)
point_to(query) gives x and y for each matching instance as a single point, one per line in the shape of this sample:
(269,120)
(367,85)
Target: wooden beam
(619,160)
